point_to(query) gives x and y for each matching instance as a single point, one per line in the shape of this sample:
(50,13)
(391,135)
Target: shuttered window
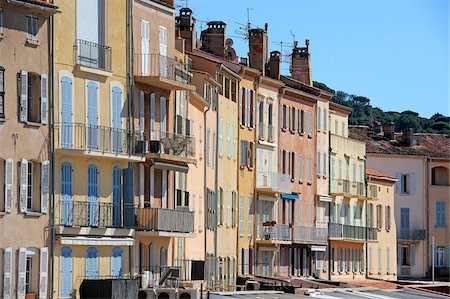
(92,263)
(65,272)
(241,215)
(2,83)
(116,262)
(117,120)
(440,213)
(32,27)
(220,137)
(9,179)
(92,193)
(228,139)
(66,194)
(250,216)
(43,273)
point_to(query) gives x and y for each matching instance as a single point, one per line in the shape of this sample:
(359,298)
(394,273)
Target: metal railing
(360,189)
(270,133)
(373,191)
(151,275)
(261,128)
(81,136)
(310,234)
(262,132)
(351,232)
(165,220)
(280,232)
(273,180)
(92,55)
(347,187)
(162,142)
(412,234)
(162,66)
(92,213)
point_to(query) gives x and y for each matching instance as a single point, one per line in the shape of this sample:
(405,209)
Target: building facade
(25,154)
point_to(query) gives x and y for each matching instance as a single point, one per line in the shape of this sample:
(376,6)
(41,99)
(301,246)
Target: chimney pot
(258,49)
(301,64)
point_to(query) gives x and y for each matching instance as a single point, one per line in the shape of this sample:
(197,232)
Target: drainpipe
(52,146)
(205,190)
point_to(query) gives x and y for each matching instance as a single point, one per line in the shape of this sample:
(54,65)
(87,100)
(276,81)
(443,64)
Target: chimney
(389,131)
(377,127)
(273,67)
(185,27)
(301,64)
(258,48)
(408,135)
(213,38)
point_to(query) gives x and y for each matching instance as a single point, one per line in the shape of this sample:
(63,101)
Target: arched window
(92,263)
(116,262)
(65,272)
(261,112)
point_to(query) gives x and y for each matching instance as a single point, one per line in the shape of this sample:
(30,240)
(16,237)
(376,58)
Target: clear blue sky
(395,52)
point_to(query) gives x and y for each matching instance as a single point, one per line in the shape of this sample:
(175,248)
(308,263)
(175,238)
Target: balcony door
(92,116)
(93,195)
(145,48)
(163,63)
(162,121)
(66,112)
(89,32)
(66,203)
(116,196)
(404,223)
(117,134)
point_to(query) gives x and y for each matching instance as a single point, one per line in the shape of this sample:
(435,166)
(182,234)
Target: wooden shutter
(7,270)
(281,117)
(44,99)
(23,185)
(412,183)
(152,115)
(43,274)
(45,184)
(21,273)
(9,178)
(23,96)
(141,112)
(412,255)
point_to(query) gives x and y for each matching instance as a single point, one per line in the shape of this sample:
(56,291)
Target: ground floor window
(439,256)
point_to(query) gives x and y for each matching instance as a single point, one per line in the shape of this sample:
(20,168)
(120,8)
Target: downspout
(205,189)
(52,141)
(216,187)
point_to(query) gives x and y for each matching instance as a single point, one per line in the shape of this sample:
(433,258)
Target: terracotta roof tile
(231,65)
(378,174)
(41,3)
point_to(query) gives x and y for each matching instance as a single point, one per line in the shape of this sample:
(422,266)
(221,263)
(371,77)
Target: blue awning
(290,196)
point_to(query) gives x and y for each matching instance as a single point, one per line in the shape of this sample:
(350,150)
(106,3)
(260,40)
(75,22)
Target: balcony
(165,222)
(100,141)
(262,132)
(92,55)
(182,272)
(277,233)
(95,214)
(162,71)
(351,232)
(314,235)
(406,234)
(171,147)
(273,182)
(347,188)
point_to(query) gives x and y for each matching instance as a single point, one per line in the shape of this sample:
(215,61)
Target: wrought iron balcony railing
(162,142)
(93,213)
(277,232)
(351,232)
(81,136)
(412,234)
(347,187)
(156,65)
(92,55)
(165,220)
(310,234)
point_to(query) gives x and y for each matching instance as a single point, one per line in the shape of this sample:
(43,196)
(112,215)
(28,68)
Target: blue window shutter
(93,195)
(117,119)
(128,197)
(66,112)
(116,197)
(66,194)
(92,263)
(65,272)
(92,116)
(116,262)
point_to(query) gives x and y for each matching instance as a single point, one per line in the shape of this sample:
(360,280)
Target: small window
(227,87)
(233,90)
(405,184)
(439,256)
(32,27)
(30,203)
(2,86)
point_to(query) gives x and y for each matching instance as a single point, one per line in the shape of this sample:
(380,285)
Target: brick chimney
(213,38)
(258,43)
(389,131)
(301,64)
(185,26)
(273,67)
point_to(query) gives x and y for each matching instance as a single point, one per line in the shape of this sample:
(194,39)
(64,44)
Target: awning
(103,241)
(326,198)
(266,248)
(267,197)
(170,166)
(318,248)
(290,196)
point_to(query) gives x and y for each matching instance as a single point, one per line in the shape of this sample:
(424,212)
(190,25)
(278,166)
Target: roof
(211,57)
(342,108)
(38,2)
(379,175)
(429,145)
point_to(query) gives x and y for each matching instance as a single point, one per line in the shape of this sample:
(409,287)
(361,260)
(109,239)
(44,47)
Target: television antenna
(244,29)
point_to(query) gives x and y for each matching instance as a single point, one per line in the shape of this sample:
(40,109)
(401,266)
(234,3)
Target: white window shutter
(9,178)
(43,273)
(281,116)
(241,94)
(45,184)
(7,270)
(23,96)
(44,99)
(21,273)
(23,185)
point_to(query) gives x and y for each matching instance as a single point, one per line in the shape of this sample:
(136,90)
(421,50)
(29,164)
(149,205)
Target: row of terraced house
(132,149)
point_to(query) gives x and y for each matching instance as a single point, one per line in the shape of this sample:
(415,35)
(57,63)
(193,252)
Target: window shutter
(9,176)
(152,115)
(370,260)
(398,183)
(324,164)
(43,273)
(220,138)
(447,256)
(23,185)
(234,142)
(281,116)
(7,270)
(412,182)
(252,109)
(300,164)
(318,163)
(21,271)
(412,255)
(23,96)
(241,99)
(141,111)
(324,119)
(388,260)
(309,124)
(45,183)
(44,99)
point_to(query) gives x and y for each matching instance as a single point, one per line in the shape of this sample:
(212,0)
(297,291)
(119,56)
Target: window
(303,123)
(34,186)
(250,217)
(343,129)
(319,117)
(309,171)
(283,119)
(247,154)
(2,86)
(379,216)
(309,124)
(220,137)
(388,218)
(227,87)
(233,90)
(440,213)
(213,159)
(354,172)
(1,22)
(336,125)
(405,183)
(32,27)
(318,163)
(439,256)
(439,174)
(33,97)
(324,120)
(300,164)
(247,107)
(404,255)
(292,158)
(324,164)
(241,215)
(207,146)
(228,140)
(29,187)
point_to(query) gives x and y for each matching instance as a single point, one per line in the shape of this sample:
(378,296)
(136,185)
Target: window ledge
(2,119)
(32,42)
(440,225)
(33,214)
(32,124)
(94,71)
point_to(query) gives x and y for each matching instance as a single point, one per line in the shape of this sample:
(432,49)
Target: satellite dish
(229,42)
